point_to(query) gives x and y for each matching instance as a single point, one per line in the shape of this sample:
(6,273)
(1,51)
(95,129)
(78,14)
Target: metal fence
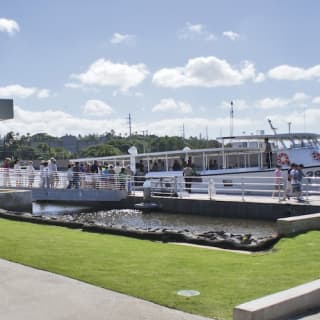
(21,178)
(279,188)
(177,186)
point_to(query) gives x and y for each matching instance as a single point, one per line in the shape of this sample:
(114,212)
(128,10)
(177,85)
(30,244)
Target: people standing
(31,174)
(6,172)
(70,176)
(17,172)
(268,153)
(76,175)
(277,181)
(44,175)
(122,179)
(53,173)
(187,173)
(295,182)
(288,190)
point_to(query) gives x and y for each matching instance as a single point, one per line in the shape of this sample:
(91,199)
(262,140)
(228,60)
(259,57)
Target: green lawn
(156,271)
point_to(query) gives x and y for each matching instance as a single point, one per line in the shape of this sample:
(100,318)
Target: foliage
(99,151)
(93,145)
(156,271)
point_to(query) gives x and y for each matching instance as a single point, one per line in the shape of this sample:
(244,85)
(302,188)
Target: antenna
(231,118)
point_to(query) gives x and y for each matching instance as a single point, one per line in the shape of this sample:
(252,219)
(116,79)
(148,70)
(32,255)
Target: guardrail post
(211,188)
(175,185)
(242,188)
(307,192)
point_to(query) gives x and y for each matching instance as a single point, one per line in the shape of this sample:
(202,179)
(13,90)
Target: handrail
(174,185)
(34,179)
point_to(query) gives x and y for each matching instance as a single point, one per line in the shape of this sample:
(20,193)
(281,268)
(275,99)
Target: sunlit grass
(156,271)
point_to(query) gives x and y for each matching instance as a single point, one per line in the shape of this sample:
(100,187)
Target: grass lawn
(156,271)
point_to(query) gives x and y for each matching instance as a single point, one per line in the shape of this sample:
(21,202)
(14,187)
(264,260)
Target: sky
(81,67)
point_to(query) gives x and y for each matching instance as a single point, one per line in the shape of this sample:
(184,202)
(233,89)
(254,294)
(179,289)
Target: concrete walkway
(30,294)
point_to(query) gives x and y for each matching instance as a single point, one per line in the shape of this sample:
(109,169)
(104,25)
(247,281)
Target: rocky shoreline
(88,222)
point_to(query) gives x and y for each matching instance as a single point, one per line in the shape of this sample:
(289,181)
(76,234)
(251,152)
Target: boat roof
(223,149)
(169,154)
(278,136)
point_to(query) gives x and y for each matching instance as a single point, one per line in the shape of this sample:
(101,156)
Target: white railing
(239,185)
(11,178)
(160,186)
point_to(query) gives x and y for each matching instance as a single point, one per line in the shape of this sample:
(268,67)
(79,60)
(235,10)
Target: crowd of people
(77,175)
(97,175)
(114,176)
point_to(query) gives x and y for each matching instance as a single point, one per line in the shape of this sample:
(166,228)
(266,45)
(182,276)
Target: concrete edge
(282,304)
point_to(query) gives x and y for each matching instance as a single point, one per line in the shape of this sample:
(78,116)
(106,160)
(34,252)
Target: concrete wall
(281,305)
(16,200)
(78,195)
(227,209)
(294,225)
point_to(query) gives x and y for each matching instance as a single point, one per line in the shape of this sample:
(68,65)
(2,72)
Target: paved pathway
(30,294)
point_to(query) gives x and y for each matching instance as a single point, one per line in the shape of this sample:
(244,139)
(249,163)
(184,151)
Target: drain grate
(188,293)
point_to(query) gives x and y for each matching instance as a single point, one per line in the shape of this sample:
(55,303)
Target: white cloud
(96,108)
(105,73)
(259,78)
(18,91)
(195,31)
(285,72)
(118,38)
(46,121)
(231,35)
(316,100)
(204,72)
(300,96)
(72,85)
(58,123)
(271,103)
(170,105)
(43,93)
(9,26)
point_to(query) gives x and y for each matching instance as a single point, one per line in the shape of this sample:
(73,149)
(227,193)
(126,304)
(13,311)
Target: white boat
(238,158)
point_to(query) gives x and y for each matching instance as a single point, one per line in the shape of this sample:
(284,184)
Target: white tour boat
(241,160)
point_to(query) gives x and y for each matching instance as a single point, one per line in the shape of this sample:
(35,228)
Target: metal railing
(178,186)
(12,178)
(278,188)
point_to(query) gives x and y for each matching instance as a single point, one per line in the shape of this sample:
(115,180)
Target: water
(42,208)
(137,219)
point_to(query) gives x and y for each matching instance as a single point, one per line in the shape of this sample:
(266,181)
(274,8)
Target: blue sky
(81,67)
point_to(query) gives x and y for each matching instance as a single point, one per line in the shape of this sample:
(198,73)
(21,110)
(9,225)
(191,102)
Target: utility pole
(289,127)
(183,132)
(231,118)
(130,124)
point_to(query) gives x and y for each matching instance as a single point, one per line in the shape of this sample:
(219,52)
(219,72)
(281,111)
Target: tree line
(44,146)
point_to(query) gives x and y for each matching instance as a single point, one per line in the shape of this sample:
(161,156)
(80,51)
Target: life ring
(316,155)
(282,158)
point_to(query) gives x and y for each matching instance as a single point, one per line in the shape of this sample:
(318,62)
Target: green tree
(100,151)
